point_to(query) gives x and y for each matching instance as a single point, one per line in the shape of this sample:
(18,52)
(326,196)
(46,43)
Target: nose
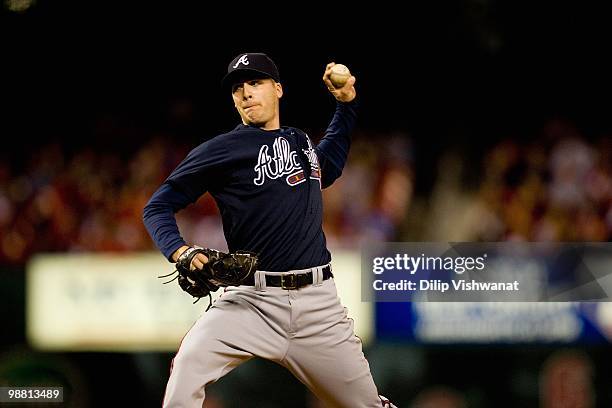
(246,91)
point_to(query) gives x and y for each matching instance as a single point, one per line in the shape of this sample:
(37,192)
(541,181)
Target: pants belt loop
(317,276)
(260,281)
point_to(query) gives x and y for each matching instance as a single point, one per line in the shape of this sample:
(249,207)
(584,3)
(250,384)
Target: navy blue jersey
(267,185)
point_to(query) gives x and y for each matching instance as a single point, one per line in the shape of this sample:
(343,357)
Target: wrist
(352,101)
(178,252)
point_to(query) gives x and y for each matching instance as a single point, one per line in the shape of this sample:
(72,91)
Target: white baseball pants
(305,330)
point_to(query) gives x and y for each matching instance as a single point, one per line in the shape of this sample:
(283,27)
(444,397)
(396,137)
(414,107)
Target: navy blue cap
(250,65)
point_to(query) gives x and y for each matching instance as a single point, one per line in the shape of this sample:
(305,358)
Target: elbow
(145,215)
(330,177)
(147,212)
(154,209)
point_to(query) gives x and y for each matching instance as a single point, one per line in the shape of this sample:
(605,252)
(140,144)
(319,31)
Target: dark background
(462,71)
(449,73)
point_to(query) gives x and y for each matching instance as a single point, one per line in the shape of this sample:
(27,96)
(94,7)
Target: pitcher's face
(257,101)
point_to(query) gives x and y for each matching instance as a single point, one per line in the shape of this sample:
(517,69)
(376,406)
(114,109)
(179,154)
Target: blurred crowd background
(555,187)
(481,120)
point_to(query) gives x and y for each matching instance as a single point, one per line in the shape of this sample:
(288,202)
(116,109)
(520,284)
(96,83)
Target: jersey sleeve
(158,218)
(199,172)
(202,169)
(332,150)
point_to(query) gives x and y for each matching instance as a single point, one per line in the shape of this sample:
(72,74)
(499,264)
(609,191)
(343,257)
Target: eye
(236,88)
(254,82)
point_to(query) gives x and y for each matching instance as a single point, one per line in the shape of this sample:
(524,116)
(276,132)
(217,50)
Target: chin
(256,122)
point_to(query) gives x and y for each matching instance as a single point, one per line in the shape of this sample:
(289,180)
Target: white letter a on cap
(243,60)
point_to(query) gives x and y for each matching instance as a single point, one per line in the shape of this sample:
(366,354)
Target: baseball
(339,75)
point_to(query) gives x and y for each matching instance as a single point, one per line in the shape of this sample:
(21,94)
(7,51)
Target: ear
(279,89)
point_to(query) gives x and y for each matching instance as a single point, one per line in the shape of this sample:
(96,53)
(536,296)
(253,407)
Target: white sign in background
(114,302)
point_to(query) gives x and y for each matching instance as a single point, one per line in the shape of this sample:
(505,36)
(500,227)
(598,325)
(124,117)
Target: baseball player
(267,181)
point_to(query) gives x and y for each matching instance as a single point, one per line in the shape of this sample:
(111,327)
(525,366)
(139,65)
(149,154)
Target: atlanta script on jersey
(281,161)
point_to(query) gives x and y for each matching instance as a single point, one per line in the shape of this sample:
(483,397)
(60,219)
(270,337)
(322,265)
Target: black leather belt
(290,280)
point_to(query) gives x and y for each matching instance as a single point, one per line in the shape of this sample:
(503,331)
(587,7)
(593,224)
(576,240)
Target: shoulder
(239,134)
(225,146)
(215,147)
(217,142)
